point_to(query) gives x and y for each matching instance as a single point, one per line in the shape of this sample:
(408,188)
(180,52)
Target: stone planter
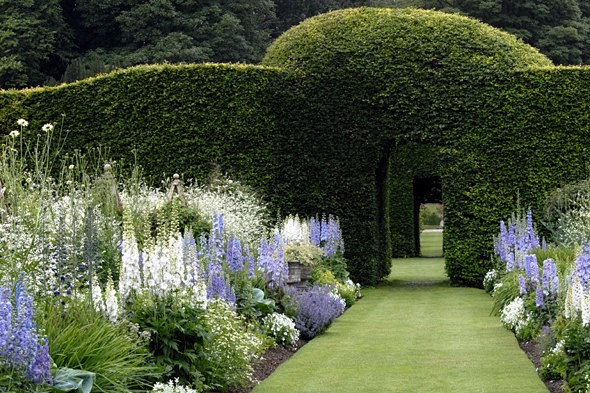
(305,272)
(294,269)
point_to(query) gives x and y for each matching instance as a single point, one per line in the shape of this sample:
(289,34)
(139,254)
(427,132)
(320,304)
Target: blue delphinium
(550,280)
(515,241)
(234,255)
(22,350)
(582,270)
(532,269)
(271,260)
(315,231)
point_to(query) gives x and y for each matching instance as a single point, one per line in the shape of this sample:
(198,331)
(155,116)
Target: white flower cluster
(357,287)
(573,227)
(558,348)
(281,327)
(514,315)
(164,269)
(172,387)
(577,302)
(108,302)
(244,215)
(490,278)
(295,231)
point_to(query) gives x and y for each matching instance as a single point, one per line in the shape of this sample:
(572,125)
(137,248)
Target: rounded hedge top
(387,42)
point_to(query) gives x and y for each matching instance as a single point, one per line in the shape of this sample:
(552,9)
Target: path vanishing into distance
(416,334)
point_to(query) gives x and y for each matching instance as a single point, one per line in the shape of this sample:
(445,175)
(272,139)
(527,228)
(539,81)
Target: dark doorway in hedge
(426,190)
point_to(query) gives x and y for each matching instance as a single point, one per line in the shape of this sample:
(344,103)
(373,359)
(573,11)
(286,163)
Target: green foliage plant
(177,336)
(231,348)
(305,253)
(81,338)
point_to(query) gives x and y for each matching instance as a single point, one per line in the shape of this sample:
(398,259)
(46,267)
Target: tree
(558,28)
(34,41)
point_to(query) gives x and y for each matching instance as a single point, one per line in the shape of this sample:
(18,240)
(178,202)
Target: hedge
(185,119)
(349,108)
(392,78)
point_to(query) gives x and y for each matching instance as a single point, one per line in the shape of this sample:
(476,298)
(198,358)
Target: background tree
(35,42)
(558,28)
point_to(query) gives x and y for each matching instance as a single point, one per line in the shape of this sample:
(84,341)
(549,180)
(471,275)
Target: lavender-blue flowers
(515,241)
(531,267)
(21,349)
(582,270)
(234,256)
(549,280)
(317,308)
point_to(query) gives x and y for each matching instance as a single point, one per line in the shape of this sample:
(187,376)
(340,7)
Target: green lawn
(431,244)
(417,334)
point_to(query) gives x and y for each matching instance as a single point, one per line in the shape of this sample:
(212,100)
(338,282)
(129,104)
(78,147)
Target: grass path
(417,334)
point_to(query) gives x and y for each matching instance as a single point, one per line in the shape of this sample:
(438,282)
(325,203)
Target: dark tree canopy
(559,28)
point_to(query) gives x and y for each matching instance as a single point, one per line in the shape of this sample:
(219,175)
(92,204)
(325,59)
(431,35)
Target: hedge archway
(378,80)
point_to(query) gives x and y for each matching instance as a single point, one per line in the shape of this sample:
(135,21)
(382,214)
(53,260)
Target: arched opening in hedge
(427,190)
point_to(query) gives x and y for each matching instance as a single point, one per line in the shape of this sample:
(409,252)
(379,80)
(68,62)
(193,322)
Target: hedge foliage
(349,108)
(393,78)
(184,119)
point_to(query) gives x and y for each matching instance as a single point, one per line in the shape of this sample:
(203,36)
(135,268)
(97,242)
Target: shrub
(317,308)
(554,363)
(230,349)
(177,336)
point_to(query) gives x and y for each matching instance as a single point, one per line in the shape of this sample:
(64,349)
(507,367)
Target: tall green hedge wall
(185,119)
(349,108)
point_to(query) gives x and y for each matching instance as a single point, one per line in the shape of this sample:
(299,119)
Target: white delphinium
(172,387)
(514,315)
(281,328)
(586,310)
(177,268)
(130,275)
(574,299)
(111,301)
(97,296)
(295,230)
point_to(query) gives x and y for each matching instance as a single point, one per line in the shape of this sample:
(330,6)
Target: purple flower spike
(539,298)
(550,280)
(582,270)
